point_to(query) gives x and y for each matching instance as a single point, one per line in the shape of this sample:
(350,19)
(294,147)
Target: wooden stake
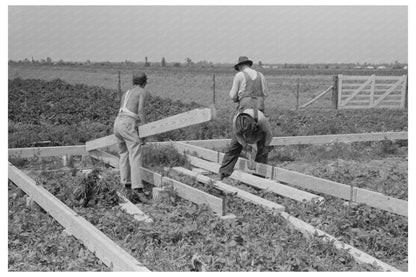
(119,85)
(335,92)
(213,89)
(297,94)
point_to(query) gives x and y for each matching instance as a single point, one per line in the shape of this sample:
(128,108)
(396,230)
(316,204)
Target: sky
(271,34)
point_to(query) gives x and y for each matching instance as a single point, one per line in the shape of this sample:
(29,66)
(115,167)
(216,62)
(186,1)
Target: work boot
(137,196)
(221,175)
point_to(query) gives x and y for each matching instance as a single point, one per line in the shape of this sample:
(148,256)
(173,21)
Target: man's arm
(267,129)
(264,85)
(240,139)
(141,112)
(235,88)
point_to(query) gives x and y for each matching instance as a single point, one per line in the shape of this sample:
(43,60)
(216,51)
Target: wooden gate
(362,92)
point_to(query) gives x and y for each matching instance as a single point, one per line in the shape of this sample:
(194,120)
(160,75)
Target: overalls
(129,145)
(253,96)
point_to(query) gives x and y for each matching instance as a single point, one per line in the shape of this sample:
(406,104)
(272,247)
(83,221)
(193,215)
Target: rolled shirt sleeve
(236,86)
(264,85)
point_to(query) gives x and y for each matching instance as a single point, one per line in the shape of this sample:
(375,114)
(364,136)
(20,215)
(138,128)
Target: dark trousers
(233,153)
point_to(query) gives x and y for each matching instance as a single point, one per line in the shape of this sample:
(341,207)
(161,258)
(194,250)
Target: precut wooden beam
(182,120)
(230,189)
(31,152)
(319,139)
(104,248)
(261,183)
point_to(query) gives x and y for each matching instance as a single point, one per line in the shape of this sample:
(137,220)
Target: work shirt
(264,130)
(239,83)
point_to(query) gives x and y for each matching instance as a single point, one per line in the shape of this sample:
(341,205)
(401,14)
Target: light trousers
(129,149)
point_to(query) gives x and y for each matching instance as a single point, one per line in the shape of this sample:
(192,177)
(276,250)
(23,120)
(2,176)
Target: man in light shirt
(249,86)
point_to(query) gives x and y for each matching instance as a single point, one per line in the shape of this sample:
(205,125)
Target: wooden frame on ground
(196,196)
(359,195)
(280,189)
(104,248)
(305,228)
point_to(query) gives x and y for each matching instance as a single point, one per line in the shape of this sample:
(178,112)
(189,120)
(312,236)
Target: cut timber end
(160,194)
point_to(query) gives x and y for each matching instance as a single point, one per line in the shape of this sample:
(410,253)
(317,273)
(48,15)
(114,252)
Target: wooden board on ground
(321,139)
(186,119)
(359,195)
(104,248)
(261,183)
(31,152)
(230,189)
(305,228)
(197,196)
(133,210)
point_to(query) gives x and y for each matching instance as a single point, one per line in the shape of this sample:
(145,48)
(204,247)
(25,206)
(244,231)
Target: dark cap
(244,123)
(139,78)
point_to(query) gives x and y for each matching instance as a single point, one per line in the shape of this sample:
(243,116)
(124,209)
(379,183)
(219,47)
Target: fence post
(213,89)
(297,94)
(406,95)
(335,92)
(119,84)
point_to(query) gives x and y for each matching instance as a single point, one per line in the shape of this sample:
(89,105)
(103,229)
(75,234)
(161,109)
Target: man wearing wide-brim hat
(249,86)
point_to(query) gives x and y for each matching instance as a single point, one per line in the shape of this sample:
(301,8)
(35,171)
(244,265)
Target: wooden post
(213,89)
(297,94)
(406,95)
(373,84)
(335,93)
(119,84)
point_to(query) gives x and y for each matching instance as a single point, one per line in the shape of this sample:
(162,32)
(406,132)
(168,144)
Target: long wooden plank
(47,151)
(104,248)
(383,78)
(317,97)
(359,195)
(231,189)
(319,139)
(196,116)
(280,189)
(186,119)
(197,196)
(307,229)
(100,142)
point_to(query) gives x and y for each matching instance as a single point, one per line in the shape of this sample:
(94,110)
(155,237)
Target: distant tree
(48,60)
(188,62)
(163,62)
(260,64)
(177,64)
(146,63)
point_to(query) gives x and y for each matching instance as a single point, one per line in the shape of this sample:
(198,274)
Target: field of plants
(70,114)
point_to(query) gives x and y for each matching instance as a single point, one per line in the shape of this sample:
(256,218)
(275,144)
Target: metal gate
(361,92)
